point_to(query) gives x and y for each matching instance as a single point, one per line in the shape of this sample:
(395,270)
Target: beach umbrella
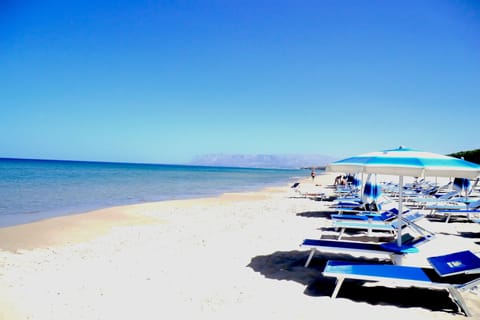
(356,182)
(368,192)
(371,191)
(462,185)
(406,162)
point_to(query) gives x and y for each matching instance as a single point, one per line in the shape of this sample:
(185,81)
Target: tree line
(472,155)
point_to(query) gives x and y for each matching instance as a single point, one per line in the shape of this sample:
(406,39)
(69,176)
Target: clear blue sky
(163,81)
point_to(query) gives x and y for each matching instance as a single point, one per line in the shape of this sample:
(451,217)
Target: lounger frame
(390,226)
(404,276)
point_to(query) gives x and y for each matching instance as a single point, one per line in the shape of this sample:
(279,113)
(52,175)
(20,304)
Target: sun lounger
(388,250)
(458,213)
(454,272)
(423,201)
(368,215)
(355,206)
(312,192)
(466,210)
(390,225)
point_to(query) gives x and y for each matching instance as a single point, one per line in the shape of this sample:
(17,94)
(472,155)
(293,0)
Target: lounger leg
(457,297)
(337,287)
(448,218)
(397,259)
(341,233)
(310,256)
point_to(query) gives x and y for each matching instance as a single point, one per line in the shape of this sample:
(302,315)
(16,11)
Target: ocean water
(31,190)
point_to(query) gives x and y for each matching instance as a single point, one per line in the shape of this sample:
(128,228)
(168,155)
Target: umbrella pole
(361,188)
(400,211)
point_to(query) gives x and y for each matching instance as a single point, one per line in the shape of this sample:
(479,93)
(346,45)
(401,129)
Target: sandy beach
(236,256)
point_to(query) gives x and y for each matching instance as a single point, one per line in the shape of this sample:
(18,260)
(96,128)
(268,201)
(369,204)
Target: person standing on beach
(312,174)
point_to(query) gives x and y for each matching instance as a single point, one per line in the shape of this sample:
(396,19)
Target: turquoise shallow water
(31,190)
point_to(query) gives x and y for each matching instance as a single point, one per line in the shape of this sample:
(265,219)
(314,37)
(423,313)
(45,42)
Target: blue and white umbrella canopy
(406,162)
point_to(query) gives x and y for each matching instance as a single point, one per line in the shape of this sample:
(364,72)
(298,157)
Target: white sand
(232,257)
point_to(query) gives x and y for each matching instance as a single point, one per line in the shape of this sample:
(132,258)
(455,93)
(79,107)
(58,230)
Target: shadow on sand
(315,214)
(289,265)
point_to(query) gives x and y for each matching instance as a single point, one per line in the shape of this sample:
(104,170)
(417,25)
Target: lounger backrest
(407,238)
(455,263)
(474,185)
(394,210)
(412,215)
(390,214)
(409,244)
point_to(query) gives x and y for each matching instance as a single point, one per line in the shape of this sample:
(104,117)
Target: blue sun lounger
(461,204)
(424,202)
(468,214)
(455,272)
(368,215)
(388,223)
(468,210)
(387,250)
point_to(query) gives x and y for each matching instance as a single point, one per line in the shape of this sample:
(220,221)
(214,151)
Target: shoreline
(93,223)
(233,256)
(36,190)
(16,219)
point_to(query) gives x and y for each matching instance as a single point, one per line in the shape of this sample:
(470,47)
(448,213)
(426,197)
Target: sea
(32,190)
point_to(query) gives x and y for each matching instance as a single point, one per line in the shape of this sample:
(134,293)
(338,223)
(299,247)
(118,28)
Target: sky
(165,81)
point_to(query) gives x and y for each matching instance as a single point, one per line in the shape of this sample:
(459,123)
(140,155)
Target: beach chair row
(455,272)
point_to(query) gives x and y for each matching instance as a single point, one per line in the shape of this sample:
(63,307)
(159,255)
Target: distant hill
(290,161)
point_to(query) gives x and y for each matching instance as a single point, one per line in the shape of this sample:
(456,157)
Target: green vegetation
(472,155)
